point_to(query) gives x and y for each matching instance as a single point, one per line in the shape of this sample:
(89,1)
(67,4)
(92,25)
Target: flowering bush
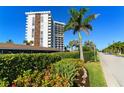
(59,74)
(29,79)
(64,71)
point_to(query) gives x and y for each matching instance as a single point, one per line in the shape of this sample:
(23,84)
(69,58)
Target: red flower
(13,85)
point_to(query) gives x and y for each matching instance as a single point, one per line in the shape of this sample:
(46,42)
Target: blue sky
(108,27)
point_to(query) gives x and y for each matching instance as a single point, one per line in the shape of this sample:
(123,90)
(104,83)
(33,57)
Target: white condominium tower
(43,31)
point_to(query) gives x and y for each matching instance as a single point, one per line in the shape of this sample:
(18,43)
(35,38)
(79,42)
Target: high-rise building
(58,35)
(38,28)
(43,30)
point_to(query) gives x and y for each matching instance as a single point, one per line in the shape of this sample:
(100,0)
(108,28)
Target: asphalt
(113,68)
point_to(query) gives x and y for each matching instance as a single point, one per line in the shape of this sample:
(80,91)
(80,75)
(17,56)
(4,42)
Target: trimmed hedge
(67,54)
(12,65)
(88,55)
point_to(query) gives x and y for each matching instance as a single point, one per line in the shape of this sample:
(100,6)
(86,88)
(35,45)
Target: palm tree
(28,42)
(78,23)
(89,44)
(71,44)
(68,47)
(9,41)
(31,42)
(25,42)
(116,48)
(76,44)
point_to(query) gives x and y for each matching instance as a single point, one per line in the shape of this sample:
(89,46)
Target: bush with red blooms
(59,74)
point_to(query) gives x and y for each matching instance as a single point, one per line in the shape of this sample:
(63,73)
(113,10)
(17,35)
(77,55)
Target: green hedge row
(59,74)
(67,54)
(88,55)
(12,65)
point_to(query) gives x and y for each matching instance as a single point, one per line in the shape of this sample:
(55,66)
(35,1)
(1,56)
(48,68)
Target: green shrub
(88,55)
(59,74)
(29,79)
(4,83)
(13,65)
(67,54)
(63,72)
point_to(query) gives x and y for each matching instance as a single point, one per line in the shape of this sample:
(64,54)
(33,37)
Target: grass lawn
(95,74)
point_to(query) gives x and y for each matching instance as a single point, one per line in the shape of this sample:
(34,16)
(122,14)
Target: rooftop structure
(16,48)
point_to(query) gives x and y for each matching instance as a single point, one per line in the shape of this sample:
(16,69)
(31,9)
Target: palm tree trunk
(81,47)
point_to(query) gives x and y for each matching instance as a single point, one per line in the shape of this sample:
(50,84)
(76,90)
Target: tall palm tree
(78,23)
(71,44)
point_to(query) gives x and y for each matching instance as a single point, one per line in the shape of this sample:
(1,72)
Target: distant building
(58,35)
(43,30)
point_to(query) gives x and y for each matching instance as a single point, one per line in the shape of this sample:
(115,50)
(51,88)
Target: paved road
(113,68)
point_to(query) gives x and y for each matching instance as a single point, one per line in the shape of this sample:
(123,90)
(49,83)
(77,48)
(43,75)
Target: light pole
(94,53)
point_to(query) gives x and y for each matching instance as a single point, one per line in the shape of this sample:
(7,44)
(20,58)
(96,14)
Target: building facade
(58,35)
(42,30)
(38,28)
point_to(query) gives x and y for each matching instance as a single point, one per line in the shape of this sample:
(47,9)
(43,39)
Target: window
(42,19)
(42,40)
(33,21)
(41,33)
(41,25)
(33,32)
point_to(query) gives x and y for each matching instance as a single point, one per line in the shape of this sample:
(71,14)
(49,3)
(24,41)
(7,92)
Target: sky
(108,27)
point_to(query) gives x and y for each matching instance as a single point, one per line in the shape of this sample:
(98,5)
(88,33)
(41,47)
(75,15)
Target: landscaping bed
(60,74)
(62,69)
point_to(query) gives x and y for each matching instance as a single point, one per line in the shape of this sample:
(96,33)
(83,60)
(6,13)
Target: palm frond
(69,25)
(74,13)
(90,18)
(88,26)
(83,11)
(85,29)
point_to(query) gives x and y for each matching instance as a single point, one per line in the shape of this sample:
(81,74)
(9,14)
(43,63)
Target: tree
(78,23)
(71,44)
(76,44)
(90,45)
(31,42)
(9,41)
(115,48)
(28,42)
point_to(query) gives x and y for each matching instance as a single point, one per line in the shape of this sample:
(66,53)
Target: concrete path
(113,68)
